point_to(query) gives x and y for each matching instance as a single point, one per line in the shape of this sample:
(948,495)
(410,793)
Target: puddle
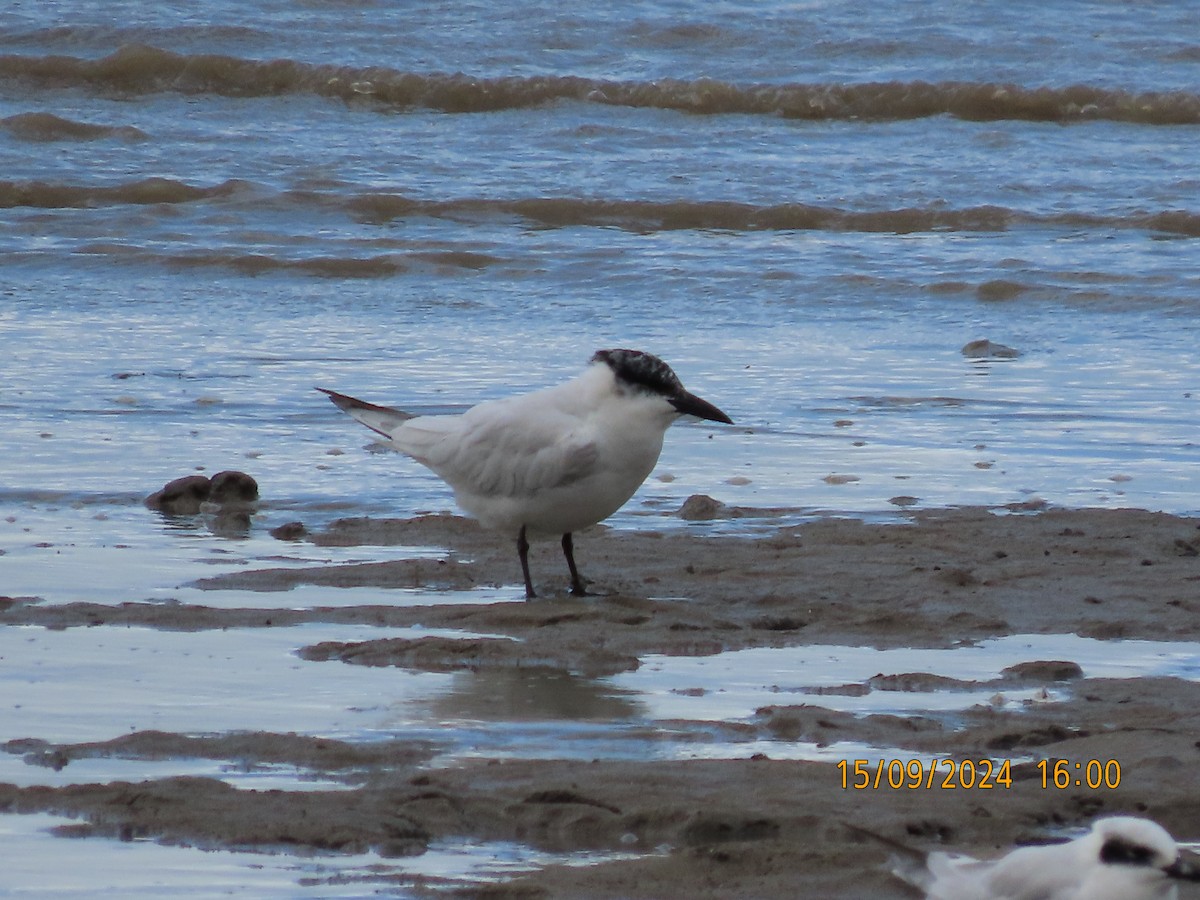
(140,868)
(14,769)
(655,741)
(45,556)
(731,686)
(46,548)
(308,596)
(94,684)
(81,685)
(659,711)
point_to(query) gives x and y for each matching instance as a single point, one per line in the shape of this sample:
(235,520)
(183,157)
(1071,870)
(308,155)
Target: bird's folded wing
(493,455)
(954,875)
(1039,871)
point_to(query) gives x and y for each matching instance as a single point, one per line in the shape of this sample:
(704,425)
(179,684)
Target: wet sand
(757,827)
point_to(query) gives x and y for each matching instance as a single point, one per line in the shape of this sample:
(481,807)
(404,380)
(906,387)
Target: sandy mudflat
(757,827)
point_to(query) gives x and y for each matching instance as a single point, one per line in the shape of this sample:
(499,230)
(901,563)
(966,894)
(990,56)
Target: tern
(553,461)
(1120,858)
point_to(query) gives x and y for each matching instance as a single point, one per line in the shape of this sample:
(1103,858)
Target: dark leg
(523,552)
(568,545)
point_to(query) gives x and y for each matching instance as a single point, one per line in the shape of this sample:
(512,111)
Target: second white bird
(1120,858)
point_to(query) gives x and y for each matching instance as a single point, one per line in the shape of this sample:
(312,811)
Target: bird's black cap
(645,371)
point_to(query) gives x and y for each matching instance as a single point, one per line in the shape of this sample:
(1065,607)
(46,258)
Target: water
(733,685)
(142,869)
(807,210)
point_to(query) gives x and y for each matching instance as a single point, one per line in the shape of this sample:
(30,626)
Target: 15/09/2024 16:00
(896,774)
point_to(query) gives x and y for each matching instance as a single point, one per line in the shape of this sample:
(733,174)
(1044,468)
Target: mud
(754,827)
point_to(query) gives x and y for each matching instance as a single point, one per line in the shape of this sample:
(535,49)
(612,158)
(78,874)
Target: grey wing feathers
(497,448)
(380,419)
(490,459)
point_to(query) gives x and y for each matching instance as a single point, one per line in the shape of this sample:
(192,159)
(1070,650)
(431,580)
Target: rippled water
(808,214)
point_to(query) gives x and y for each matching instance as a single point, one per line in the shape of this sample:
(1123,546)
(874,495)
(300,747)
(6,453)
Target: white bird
(554,461)
(1120,858)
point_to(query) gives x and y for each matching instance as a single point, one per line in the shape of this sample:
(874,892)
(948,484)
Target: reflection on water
(532,695)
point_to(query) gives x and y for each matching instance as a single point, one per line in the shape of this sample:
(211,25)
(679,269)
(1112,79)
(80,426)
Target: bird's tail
(381,419)
(906,863)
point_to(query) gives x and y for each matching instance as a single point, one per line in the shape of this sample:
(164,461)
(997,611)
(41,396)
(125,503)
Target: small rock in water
(289,531)
(986,349)
(181,497)
(700,508)
(233,487)
(836,478)
(186,496)
(1044,670)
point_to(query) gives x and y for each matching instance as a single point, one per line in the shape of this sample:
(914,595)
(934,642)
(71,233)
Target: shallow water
(140,868)
(97,683)
(807,211)
(733,685)
(93,684)
(80,685)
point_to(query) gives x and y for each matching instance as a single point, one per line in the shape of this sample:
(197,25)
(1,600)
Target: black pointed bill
(691,405)
(1183,870)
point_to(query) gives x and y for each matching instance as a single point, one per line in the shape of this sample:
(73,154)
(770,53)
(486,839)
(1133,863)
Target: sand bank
(706,827)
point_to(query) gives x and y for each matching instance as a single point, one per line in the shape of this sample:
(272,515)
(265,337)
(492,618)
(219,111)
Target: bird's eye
(1121,852)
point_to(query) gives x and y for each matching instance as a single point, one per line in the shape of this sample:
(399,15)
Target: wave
(566,212)
(635,215)
(385,265)
(140,69)
(263,264)
(41,127)
(145,191)
(648,215)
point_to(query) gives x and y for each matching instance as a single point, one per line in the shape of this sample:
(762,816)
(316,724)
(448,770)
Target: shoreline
(735,827)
